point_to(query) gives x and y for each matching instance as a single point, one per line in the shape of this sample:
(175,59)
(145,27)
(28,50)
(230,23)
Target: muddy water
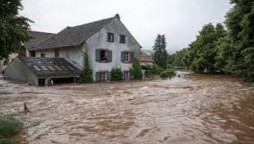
(192,109)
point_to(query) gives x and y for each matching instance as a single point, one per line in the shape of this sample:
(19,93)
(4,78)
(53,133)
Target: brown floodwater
(189,109)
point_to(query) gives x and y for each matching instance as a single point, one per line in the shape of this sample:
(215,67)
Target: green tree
(202,53)
(13,28)
(240,23)
(160,55)
(136,70)
(86,75)
(179,58)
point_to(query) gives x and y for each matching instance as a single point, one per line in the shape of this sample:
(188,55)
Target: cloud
(179,20)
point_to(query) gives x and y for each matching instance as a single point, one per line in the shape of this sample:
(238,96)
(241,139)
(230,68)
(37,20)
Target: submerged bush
(8,141)
(9,126)
(116,74)
(168,73)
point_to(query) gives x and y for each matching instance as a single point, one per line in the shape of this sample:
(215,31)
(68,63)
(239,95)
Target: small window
(5,62)
(44,68)
(42,55)
(32,53)
(103,76)
(110,37)
(126,75)
(127,56)
(57,53)
(122,39)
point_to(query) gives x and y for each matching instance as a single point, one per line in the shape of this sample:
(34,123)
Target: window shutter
(97,76)
(110,55)
(109,76)
(132,57)
(97,55)
(122,56)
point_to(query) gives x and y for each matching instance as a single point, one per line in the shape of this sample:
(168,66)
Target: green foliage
(86,75)
(13,28)
(178,59)
(240,22)
(202,52)
(9,126)
(229,51)
(168,73)
(160,55)
(8,141)
(154,70)
(116,74)
(136,70)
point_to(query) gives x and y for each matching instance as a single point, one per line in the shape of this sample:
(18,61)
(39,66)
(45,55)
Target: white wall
(48,53)
(73,54)
(99,40)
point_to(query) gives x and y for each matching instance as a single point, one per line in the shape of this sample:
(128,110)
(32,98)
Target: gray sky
(179,20)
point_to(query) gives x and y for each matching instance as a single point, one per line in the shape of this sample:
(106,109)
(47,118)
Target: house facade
(107,42)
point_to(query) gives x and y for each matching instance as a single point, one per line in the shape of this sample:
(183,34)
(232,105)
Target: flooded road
(191,109)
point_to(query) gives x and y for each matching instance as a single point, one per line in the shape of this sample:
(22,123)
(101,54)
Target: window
(110,37)
(32,54)
(42,55)
(57,53)
(103,55)
(122,39)
(5,62)
(127,56)
(126,75)
(102,76)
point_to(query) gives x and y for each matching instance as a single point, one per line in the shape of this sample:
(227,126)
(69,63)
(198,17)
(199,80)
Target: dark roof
(37,39)
(143,57)
(50,67)
(71,36)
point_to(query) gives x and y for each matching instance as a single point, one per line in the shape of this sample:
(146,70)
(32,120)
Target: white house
(107,42)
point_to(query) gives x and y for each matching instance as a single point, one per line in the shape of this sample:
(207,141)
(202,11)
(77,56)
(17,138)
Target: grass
(9,128)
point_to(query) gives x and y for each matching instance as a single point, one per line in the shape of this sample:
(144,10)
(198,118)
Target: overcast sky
(179,20)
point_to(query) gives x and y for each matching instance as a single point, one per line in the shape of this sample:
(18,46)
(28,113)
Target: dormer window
(110,37)
(122,39)
(42,55)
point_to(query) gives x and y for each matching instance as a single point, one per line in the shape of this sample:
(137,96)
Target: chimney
(117,16)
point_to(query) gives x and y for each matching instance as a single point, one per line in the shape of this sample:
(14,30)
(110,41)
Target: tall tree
(160,55)
(240,22)
(13,28)
(202,53)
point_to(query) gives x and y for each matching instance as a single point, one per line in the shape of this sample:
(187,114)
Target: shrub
(9,126)
(116,74)
(167,73)
(8,141)
(86,75)
(154,70)
(136,70)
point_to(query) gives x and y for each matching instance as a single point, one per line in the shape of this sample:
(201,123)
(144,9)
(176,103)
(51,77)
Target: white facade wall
(99,41)
(73,54)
